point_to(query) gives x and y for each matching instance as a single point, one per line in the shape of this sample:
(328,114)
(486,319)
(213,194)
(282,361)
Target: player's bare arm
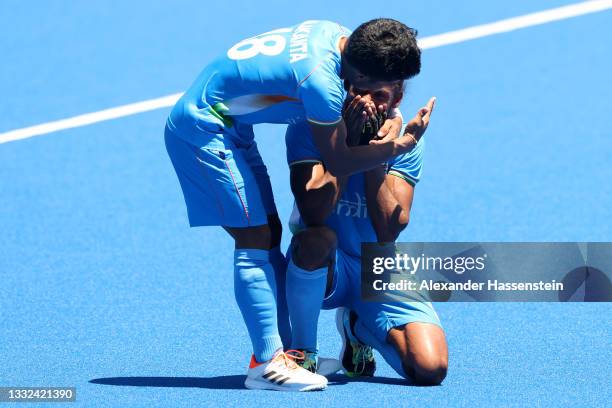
(315,188)
(389,201)
(343,160)
(392,196)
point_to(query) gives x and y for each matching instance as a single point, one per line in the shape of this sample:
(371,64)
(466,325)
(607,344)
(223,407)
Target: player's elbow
(403,219)
(399,223)
(392,226)
(395,232)
(337,169)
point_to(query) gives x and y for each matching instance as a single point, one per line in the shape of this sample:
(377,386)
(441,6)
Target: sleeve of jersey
(409,166)
(322,96)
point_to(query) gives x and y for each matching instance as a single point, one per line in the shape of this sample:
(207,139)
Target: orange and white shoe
(281,373)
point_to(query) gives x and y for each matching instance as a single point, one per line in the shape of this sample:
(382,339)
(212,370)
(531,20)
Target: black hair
(384,49)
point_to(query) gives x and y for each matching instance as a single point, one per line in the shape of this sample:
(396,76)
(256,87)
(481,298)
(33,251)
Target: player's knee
(259,237)
(262,234)
(313,247)
(276,230)
(427,369)
(316,206)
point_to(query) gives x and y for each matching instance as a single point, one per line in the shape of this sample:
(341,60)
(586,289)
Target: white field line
(451,37)
(515,23)
(90,118)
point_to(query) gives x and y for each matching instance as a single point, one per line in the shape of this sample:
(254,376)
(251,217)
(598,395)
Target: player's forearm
(342,160)
(388,217)
(356,159)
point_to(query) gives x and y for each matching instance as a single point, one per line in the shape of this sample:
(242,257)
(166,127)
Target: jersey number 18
(270,43)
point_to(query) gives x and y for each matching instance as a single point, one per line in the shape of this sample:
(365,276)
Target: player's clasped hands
(356,113)
(360,110)
(391,128)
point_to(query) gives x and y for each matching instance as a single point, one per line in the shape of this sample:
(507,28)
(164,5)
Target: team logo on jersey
(349,208)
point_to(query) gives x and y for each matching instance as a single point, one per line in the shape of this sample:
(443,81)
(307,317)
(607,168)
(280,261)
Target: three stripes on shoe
(275,378)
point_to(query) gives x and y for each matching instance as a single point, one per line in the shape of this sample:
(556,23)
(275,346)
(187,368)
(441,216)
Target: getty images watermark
(404,263)
(473,271)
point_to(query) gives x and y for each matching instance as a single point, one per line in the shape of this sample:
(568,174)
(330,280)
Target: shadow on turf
(226,382)
(339,379)
(222,382)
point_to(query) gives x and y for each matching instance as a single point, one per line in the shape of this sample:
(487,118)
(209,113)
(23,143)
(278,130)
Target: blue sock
(279,263)
(255,290)
(387,350)
(305,293)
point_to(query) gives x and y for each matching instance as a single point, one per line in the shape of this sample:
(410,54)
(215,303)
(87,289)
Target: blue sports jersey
(350,218)
(282,76)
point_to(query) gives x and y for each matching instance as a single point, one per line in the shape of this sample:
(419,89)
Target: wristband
(412,137)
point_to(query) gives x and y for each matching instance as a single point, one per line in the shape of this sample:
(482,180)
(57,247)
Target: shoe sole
(253,384)
(328,366)
(340,327)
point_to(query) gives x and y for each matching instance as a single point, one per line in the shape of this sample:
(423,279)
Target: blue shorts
(300,146)
(224,181)
(379,318)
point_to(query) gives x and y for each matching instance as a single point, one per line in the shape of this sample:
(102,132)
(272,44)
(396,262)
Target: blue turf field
(100,276)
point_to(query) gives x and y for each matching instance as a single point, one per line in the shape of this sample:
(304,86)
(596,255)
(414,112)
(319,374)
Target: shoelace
(310,360)
(361,355)
(289,358)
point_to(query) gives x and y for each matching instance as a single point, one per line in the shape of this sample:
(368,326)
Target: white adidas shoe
(281,373)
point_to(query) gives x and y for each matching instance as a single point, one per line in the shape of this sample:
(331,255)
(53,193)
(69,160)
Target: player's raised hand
(417,125)
(415,129)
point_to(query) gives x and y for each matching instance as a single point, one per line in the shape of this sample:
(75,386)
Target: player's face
(380,92)
(377,93)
